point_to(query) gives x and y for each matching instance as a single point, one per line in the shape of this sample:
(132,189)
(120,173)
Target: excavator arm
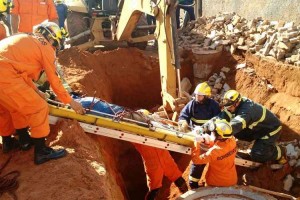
(165,33)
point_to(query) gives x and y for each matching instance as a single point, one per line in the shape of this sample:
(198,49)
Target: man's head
(202,92)
(52,33)
(231,100)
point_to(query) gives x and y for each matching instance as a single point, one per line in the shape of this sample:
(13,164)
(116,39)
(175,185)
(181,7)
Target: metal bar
(162,144)
(129,137)
(143,27)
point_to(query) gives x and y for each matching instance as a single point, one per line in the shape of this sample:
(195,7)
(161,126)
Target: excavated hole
(129,78)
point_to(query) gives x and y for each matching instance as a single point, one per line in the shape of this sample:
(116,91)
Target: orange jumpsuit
(22,58)
(158,163)
(33,12)
(221,170)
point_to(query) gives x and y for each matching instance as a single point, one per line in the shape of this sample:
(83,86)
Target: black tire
(77,23)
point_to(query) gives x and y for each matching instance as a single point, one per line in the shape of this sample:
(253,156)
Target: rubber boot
(42,153)
(181,184)
(151,195)
(193,185)
(24,139)
(9,143)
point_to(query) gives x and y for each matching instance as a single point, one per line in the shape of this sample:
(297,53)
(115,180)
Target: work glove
(209,126)
(183,126)
(207,139)
(203,138)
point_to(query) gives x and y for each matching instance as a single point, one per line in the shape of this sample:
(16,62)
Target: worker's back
(221,170)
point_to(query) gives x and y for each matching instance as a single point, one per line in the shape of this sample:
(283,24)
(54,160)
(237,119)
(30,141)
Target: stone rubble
(277,40)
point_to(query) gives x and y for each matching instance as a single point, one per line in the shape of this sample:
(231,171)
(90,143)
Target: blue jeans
(189,10)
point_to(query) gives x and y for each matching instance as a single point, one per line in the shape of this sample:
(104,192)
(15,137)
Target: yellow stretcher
(152,134)
(152,130)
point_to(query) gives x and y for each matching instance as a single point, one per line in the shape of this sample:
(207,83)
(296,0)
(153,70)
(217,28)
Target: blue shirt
(99,106)
(196,113)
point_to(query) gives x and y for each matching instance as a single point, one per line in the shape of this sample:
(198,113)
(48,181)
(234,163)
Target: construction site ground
(103,168)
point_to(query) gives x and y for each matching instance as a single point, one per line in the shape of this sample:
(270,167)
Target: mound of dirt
(79,175)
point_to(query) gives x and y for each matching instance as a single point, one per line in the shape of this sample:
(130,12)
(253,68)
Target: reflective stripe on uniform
(199,121)
(260,120)
(272,133)
(229,114)
(242,120)
(194,179)
(279,153)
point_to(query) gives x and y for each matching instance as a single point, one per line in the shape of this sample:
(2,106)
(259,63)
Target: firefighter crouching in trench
(221,170)
(252,121)
(22,58)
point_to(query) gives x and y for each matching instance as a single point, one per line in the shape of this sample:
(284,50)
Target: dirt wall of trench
(275,85)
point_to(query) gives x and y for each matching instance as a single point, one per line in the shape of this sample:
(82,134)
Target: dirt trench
(133,81)
(102,168)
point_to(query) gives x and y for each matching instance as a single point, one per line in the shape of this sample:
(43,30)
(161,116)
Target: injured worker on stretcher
(97,107)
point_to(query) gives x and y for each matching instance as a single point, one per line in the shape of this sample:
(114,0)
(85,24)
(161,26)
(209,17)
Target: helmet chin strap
(54,44)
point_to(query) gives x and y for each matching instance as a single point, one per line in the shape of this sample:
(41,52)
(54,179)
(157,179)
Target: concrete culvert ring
(224,193)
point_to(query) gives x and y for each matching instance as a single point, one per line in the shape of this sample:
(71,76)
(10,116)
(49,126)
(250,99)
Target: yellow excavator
(125,24)
(90,24)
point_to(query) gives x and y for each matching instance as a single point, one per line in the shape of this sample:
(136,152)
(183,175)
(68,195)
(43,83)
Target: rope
(8,182)
(128,113)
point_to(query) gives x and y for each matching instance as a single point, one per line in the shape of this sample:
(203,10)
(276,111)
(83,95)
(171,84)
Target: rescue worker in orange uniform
(159,163)
(28,13)
(22,58)
(221,169)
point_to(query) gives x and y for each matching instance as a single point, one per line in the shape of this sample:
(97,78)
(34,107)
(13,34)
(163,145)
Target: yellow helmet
(4,5)
(51,30)
(203,89)
(223,128)
(231,97)
(144,111)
